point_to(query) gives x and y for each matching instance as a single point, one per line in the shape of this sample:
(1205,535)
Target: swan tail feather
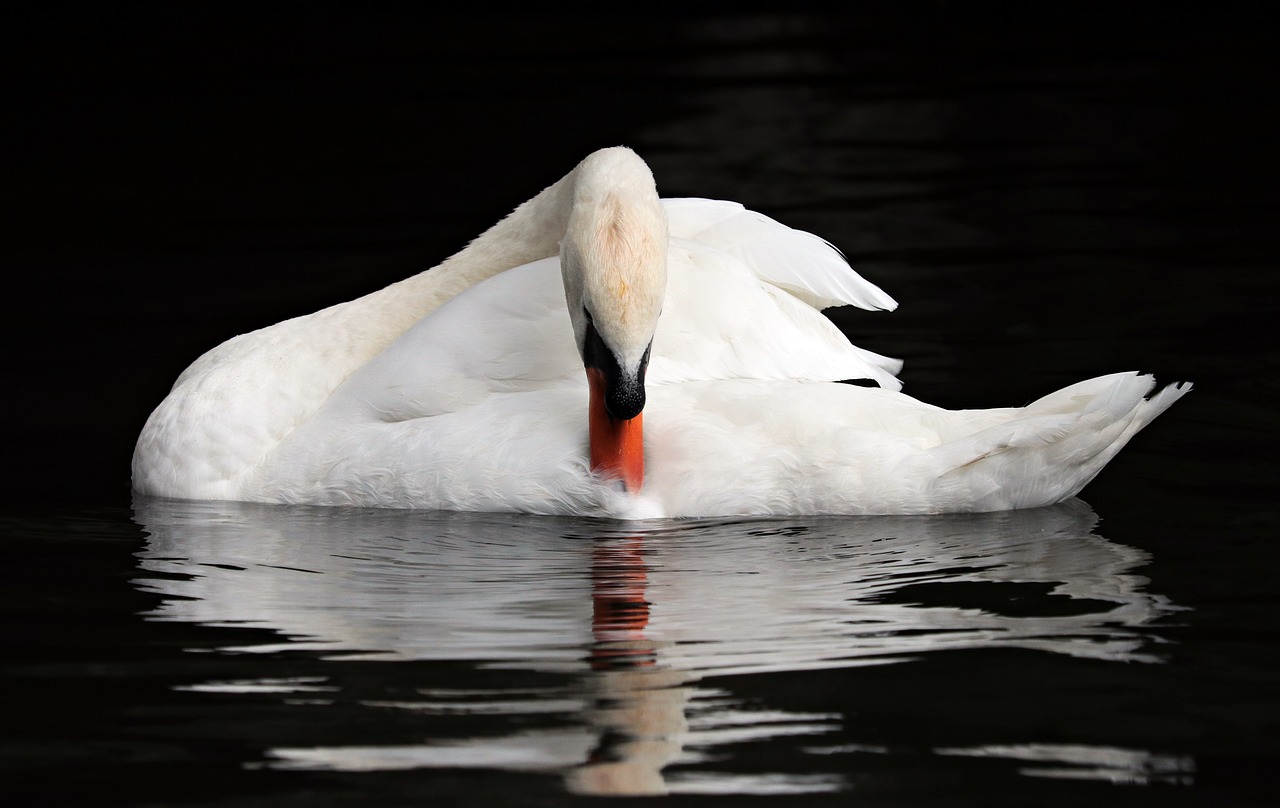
(1048,451)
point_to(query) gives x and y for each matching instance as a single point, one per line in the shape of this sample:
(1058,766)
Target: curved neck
(530,232)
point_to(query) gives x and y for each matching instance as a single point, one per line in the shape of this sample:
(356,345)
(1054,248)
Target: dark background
(1050,192)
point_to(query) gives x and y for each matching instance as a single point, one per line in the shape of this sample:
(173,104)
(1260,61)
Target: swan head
(613,259)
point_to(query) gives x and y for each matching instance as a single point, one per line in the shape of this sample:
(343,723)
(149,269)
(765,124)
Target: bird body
(462,387)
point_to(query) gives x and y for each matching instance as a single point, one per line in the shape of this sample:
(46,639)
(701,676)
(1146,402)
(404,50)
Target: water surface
(604,654)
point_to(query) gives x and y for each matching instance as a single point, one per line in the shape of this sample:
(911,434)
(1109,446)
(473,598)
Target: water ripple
(642,618)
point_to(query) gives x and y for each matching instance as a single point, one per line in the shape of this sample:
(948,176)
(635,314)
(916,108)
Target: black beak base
(624,392)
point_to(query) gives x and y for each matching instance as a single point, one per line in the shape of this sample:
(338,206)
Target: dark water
(1049,195)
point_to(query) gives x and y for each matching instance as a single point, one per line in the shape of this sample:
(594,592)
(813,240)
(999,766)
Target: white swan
(460,388)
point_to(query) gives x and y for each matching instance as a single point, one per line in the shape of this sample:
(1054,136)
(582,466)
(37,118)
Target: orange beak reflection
(617,446)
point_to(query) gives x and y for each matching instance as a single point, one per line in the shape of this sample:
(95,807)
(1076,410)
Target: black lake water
(1048,197)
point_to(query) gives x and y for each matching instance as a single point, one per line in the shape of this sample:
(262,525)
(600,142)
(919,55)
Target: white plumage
(461,388)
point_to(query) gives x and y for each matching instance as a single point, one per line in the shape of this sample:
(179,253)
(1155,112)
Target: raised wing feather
(801,263)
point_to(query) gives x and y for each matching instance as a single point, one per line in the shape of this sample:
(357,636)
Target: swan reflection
(643,615)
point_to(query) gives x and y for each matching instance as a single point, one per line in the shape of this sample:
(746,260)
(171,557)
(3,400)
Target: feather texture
(462,388)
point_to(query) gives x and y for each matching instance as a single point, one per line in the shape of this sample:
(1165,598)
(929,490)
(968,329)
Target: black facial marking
(624,392)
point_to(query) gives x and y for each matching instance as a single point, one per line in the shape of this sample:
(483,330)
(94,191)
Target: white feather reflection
(644,612)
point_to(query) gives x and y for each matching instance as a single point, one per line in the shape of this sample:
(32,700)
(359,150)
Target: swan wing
(511,333)
(720,321)
(507,334)
(805,265)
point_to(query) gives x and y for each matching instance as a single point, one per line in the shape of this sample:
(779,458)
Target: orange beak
(617,446)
